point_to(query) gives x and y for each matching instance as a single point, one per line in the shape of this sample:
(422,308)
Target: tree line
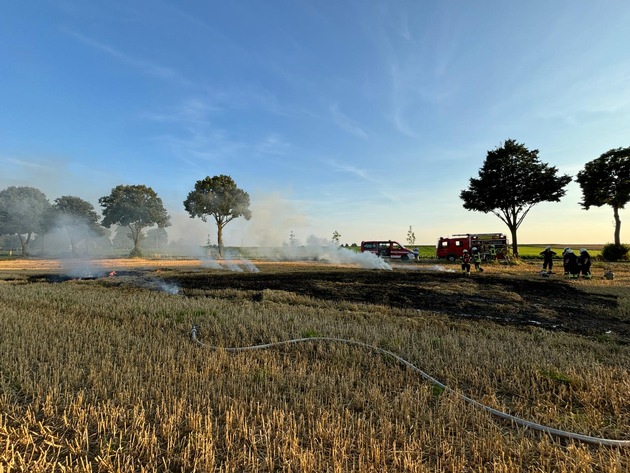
(25,211)
(512,180)
(510,183)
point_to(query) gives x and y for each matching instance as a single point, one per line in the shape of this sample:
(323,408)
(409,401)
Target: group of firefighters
(475,258)
(572,263)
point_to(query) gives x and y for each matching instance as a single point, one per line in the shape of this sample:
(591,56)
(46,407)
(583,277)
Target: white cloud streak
(346,123)
(144,66)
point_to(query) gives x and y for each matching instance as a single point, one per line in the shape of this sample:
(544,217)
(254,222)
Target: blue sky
(363,117)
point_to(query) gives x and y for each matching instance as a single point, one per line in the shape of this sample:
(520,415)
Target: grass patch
(555,375)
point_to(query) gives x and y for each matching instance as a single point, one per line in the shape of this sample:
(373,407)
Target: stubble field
(99,373)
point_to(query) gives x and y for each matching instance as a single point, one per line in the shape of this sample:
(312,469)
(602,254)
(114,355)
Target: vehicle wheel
(404,257)
(451,258)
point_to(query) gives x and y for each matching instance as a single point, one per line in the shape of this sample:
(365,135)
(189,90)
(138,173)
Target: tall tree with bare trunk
(606,181)
(511,181)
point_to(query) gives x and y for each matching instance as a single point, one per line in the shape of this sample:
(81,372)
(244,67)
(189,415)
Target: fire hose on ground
(194,335)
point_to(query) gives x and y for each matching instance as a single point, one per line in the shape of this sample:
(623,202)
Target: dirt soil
(553,304)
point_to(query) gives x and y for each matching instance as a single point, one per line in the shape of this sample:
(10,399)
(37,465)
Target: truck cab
(452,248)
(491,246)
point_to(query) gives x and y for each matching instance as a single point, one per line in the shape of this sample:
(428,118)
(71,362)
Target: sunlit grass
(103,377)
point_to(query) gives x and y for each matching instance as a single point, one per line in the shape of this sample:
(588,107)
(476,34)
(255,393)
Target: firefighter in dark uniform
(564,261)
(466,263)
(571,264)
(548,255)
(584,261)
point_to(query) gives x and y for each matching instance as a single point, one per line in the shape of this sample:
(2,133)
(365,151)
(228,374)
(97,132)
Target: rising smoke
(230,262)
(274,219)
(320,249)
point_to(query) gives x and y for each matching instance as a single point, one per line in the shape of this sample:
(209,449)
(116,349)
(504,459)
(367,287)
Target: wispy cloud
(207,144)
(346,123)
(26,164)
(418,52)
(192,133)
(194,111)
(604,94)
(142,65)
(353,170)
(273,144)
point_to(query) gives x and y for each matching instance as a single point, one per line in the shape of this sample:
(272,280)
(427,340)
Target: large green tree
(78,218)
(511,181)
(606,181)
(220,198)
(24,211)
(135,207)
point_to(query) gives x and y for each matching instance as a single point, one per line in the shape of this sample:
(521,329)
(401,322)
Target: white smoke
(415,267)
(211,263)
(320,249)
(249,266)
(274,217)
(169,288)
(82,269)
(231,262)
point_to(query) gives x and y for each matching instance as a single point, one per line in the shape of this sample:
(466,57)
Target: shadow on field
(550,304)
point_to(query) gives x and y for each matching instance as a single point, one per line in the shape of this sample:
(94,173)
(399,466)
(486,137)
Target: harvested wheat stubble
(100,375)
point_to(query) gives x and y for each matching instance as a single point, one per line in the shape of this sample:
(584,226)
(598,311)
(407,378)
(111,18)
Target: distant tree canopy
(336,236)
(511,181)
(606,181)
(24,211)
(136,207)
(79,219)
(411,236)
(158,238)
(220,198)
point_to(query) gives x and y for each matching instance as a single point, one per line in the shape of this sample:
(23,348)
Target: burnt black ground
(552,304)
(509,299)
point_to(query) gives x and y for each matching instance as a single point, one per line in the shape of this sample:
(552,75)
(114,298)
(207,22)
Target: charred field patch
(515,297)
(553,304)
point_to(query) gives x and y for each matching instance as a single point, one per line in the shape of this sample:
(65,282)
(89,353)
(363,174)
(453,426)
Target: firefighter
(466,263)
(493,252)
(571,264)
(476,256)
(548,255)
(564,261)
(584,260)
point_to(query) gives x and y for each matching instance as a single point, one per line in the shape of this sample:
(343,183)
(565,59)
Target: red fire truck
(490,245)
(387,249)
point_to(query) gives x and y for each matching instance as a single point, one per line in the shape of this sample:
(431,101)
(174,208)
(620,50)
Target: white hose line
(516,420)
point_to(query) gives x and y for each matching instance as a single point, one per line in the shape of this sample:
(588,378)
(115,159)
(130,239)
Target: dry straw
(100,376)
